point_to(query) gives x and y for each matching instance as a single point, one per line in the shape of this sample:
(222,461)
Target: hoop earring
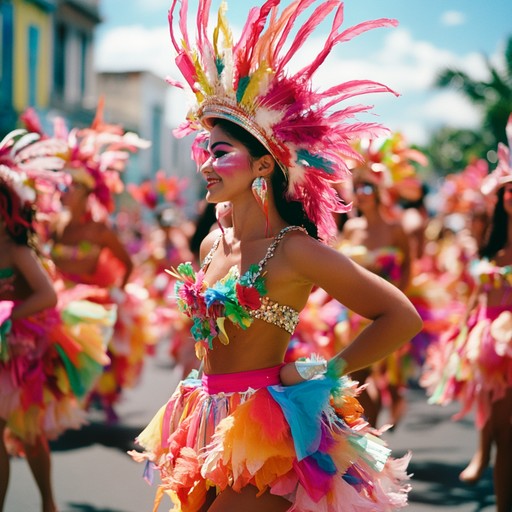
(260,191)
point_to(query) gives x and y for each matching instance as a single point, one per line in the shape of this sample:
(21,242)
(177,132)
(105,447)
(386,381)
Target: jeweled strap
(273,246)
(208,258)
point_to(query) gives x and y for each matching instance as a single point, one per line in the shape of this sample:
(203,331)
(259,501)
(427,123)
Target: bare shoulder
(19,251)
(23,257)
(208,242)
(354,224)
(306,256)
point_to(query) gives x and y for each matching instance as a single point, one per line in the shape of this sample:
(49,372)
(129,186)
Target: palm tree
(494,96)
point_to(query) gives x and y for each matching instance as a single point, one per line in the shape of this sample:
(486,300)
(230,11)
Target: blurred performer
(474,366)
(376,240)
(46,366)
(87,250)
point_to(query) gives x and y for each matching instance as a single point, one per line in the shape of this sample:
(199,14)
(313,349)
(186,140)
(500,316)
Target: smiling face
(228,170)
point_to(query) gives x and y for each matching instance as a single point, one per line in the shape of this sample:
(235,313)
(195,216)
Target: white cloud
(453,18)
(405,64)
(135,47)
(450,108)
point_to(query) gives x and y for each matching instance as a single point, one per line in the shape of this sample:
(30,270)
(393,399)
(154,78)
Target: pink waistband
(241,381)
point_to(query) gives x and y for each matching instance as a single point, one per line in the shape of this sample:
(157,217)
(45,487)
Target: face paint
(226,159)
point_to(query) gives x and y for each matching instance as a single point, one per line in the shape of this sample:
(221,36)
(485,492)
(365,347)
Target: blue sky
(431,35)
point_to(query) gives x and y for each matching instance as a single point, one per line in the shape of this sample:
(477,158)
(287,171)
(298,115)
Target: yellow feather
(254,87)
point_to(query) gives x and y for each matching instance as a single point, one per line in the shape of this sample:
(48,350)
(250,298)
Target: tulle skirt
(49,363)
(307,443)
(472,364)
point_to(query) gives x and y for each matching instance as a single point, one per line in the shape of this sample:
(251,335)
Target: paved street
(92,472)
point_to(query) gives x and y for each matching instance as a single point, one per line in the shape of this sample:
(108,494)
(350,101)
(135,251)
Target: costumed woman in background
(45,367)
(87,250)
(379,243)
(254,433)
(167,245)
(477,367)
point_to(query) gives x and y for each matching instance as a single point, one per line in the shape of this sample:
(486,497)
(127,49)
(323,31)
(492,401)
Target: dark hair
(203,226)
(498,229)
(290,211)
(18,218)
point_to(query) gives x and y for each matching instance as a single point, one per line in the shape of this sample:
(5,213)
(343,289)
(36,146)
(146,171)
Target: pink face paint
(226,160)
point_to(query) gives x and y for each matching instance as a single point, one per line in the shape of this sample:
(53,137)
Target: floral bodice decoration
(209,306)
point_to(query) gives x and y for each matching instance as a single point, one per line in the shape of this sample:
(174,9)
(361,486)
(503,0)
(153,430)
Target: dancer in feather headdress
(46,367)
(254,433)
(472,363)
(87,251)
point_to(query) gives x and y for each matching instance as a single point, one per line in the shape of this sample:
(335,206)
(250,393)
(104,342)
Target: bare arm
(110,239)
(402,242)
(394,319)
(43,295)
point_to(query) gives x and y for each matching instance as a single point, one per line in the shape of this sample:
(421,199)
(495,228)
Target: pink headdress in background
(389,165)
(460,192)
(94,156)
(163,195)
(247,83)
(503,172)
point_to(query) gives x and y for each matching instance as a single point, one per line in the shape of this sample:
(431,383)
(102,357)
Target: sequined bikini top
(239,299)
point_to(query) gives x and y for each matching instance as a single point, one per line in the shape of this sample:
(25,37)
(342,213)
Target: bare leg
(502,430)
(369,398)
(4,466)
(480,460)
(38,457)
(398,404)
(211,494)
(246,500)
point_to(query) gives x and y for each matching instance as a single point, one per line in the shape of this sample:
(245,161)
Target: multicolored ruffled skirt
(472,364)
(306,443)
(134,337)
(48,363)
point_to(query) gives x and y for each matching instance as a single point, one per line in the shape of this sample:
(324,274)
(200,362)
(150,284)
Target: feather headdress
(503,172)
(94,156)
(160,192)
(247,82)
(389,165)
(28,168)
(460,192)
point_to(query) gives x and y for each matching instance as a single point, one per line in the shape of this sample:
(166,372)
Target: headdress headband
(248,83)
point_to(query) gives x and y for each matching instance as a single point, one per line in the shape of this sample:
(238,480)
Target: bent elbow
(51,300)
(414,322)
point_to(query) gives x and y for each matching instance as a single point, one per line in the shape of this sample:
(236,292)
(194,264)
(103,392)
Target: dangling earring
(260,192)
